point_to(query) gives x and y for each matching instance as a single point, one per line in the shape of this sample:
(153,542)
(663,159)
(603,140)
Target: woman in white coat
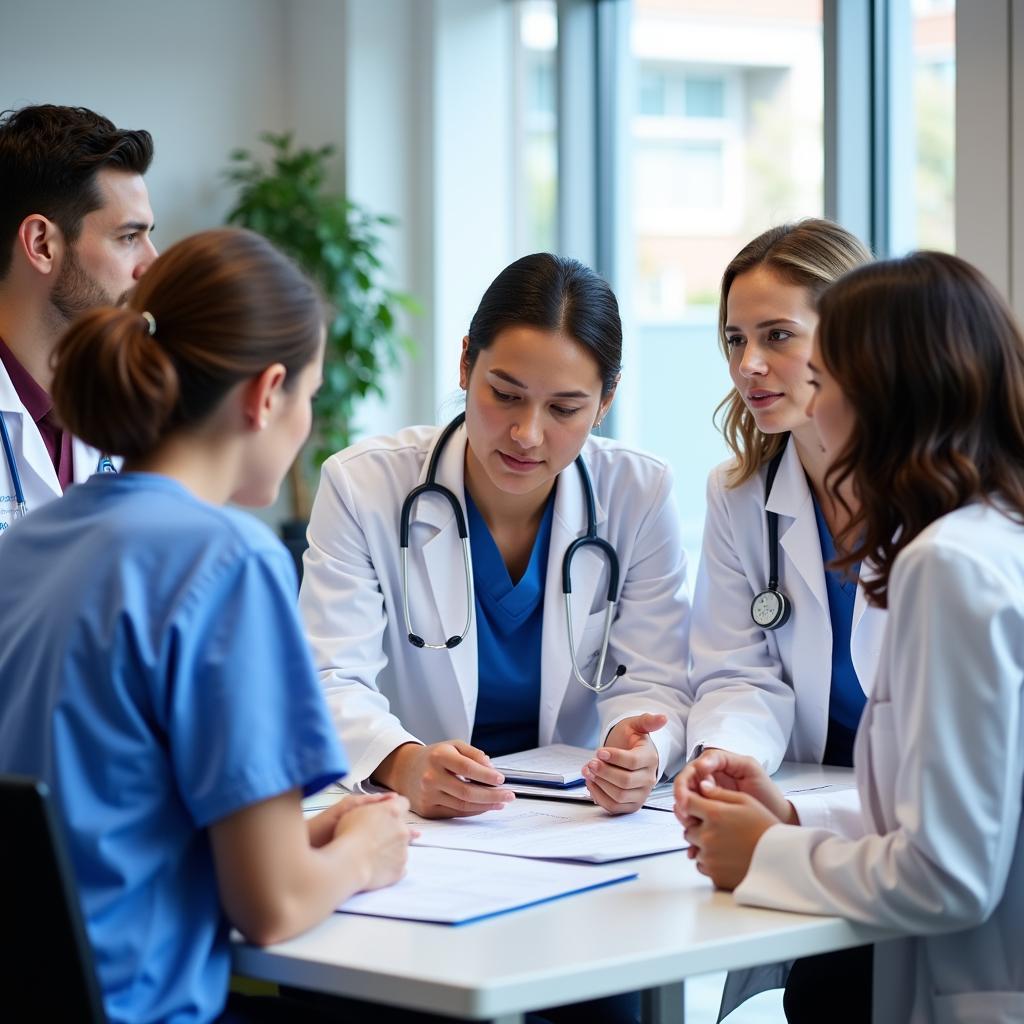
(539,367)
(919,399)
(792,690)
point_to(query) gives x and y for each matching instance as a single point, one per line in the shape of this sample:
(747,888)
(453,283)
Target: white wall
(203,77)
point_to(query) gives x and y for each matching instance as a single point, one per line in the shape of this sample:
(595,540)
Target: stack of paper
(453,887)
(545,830)
(555,765)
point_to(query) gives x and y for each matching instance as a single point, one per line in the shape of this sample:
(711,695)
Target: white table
(648,934)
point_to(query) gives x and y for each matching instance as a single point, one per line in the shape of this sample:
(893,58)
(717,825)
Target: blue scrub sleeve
(247,719)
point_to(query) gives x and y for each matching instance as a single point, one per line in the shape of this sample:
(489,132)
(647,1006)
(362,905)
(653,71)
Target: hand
(322,826)
(735,772)
(378,828)
(726,826)
(444,780)
(624,771)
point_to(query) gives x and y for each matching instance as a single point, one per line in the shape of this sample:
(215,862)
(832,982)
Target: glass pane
(537,170)
(934,64)
(725,141)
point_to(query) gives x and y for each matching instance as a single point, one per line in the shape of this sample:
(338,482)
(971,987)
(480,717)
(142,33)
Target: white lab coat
(939,763)
(38,477)
(384,692)
(765,693)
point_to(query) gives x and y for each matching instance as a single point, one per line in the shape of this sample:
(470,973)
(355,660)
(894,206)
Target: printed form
(544,830)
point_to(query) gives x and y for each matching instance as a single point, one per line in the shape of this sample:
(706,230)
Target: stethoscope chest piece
(770,609)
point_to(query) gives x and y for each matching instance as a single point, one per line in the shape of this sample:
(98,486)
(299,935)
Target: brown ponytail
(115,387)
(225,305)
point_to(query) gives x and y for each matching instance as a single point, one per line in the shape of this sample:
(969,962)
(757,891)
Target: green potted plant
(337,243)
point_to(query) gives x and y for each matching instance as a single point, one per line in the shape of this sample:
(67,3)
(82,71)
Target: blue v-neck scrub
(509,628)
(847,697)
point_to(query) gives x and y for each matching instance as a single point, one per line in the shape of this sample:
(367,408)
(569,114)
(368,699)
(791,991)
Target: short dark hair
(49,158)
(558,294)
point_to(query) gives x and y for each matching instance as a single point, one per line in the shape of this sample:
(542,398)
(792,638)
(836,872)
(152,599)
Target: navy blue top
(847,698)
(509,627)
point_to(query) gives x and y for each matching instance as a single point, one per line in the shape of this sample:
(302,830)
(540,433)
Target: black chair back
(46,966)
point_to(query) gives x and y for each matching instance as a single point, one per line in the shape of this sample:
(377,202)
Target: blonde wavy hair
(810,253)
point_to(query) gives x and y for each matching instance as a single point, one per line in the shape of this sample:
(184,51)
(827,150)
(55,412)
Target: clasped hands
(454,778)
(725,803)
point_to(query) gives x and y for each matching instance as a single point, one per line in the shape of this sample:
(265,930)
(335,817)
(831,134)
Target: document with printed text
(540,829)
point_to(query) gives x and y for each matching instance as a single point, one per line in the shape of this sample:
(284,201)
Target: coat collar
(442,554)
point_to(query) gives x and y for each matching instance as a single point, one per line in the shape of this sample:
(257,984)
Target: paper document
(558,765)
(544,830)
(454,887)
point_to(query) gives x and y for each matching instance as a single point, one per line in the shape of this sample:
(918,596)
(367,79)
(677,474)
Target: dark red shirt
(40,407)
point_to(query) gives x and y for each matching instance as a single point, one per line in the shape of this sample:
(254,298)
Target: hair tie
(151,321)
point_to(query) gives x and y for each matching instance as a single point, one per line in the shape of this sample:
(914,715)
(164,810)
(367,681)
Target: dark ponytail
(557,294)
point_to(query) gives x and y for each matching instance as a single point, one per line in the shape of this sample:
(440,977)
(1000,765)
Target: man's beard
(76,292)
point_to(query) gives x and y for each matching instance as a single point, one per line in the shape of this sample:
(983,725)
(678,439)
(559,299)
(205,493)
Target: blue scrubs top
(847,698)
(155,674)
(509,627)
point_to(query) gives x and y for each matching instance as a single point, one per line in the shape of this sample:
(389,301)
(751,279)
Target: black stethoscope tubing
(590,539)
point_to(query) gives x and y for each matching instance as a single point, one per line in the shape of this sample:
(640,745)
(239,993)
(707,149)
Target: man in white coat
(75,226)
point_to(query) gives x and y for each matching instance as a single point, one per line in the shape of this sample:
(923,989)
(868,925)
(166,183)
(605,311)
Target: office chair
(46,967)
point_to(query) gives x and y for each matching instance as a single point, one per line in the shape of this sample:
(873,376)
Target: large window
(537,144)
(726,140)
(933,87)
(716,114)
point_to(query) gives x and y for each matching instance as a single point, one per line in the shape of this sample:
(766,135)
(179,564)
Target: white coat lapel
(434,529)
(791,499)
(588,573)
(86,460)
(37,472)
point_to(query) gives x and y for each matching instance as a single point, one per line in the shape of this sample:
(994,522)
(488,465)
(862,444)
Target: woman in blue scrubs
(155,672)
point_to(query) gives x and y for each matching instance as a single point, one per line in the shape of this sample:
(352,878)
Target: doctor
(779,670)
(539,367)
(919,398)
(793,687)
(75,226)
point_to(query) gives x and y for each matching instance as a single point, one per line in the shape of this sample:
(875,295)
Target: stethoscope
(771,608)
(590,539)
(105,465)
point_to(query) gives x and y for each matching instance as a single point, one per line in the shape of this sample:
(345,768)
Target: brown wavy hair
(930,359)
(811,253)
(226,305)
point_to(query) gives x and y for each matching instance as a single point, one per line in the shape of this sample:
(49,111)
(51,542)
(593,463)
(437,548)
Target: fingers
(463,759)
(614,799)
(649,722)
(645,755)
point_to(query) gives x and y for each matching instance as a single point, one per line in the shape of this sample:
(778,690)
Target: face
(286,416)
(832,413)
(769,328)
(112,251)
(532,398)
